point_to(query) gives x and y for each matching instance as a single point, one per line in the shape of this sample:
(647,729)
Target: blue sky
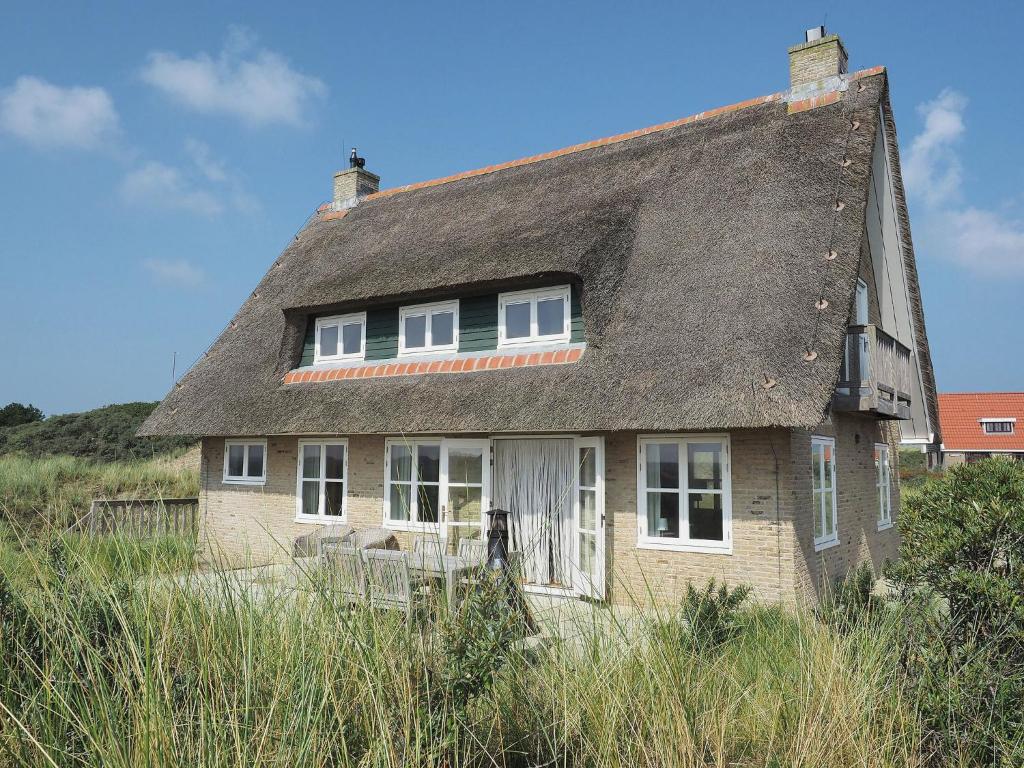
(155,158)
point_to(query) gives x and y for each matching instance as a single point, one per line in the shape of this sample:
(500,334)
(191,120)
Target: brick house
(979,425)
(685,352)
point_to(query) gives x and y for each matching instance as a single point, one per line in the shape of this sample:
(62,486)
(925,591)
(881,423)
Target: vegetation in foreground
(109,660)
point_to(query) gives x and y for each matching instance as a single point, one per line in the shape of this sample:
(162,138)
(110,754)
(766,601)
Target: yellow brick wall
(772,524)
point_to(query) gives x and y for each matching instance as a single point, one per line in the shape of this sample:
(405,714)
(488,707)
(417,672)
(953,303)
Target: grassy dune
(119,668)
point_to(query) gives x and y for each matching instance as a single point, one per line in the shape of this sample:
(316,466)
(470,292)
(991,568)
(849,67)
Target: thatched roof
(700,253)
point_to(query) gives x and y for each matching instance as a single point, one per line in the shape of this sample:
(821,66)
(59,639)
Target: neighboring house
(680,353)
(979,425)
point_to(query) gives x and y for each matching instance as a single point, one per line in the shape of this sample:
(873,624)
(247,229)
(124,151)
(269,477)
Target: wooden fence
(140,518)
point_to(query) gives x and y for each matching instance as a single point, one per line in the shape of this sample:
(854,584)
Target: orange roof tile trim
(960,414)
(449,365)
(797,106)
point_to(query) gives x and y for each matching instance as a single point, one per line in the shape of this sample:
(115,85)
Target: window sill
(541,343)
(325,520)
(676,546)
(821,546)
(886,526)
(403,525)
(244,481)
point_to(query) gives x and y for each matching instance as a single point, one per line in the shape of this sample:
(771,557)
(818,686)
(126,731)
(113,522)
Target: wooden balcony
(875,377)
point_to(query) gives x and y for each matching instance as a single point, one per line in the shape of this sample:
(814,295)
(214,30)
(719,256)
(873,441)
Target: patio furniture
(346,574)
(310,543)
(388,578)
(433,545)
(473,549)
(452,569)
(374,538)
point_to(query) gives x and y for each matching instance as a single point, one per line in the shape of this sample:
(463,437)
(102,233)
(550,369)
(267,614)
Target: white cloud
(49,116)
(257,86)
(176,272)
(155,185)
(204,186)
(987,242)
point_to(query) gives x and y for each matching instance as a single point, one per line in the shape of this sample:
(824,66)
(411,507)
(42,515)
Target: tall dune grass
(57,489)
(210,670)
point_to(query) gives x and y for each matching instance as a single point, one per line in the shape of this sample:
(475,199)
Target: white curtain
(533,480)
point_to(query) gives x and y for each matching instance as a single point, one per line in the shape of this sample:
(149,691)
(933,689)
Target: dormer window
(428,328)
(535,316)
(342,337)
(1003,426)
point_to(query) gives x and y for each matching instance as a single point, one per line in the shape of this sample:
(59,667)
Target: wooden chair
(345,572)
(429,545)
(388,579)
(473,549)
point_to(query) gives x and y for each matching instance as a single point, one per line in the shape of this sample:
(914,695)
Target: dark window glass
(335,462)
(550,316)
(236,460)
(352,338)
(334,494)
(311,461)
(428,463)
(442,329)
(255,461)
(706,516)
(517,320)
(705,466)
(416,332)
(311,498)
(428,495)
(663,515)
(662,465)
(329,341)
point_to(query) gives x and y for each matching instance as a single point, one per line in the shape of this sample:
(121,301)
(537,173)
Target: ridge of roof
(595,143)
(980,394)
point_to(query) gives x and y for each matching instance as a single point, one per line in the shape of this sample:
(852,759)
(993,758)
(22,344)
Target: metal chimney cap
(814,33)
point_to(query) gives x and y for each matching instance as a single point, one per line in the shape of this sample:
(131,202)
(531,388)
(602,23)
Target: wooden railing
(140,518)
(875,376)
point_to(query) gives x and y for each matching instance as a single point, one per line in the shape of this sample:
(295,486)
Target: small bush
(960,578)
(707,618)
(851,601)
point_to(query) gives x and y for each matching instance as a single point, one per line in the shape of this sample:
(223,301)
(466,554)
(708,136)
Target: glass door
(468,490)
(589,517)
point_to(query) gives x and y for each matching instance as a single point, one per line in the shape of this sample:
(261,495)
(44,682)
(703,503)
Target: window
(342,337)
(429,328)
(323,468)
(436,484)
(684,495)
(245,462)
(998,426)
(528,317)
(414,482)
(823,483)
(883,483)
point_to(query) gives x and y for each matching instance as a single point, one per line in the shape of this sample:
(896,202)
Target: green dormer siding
(478,328)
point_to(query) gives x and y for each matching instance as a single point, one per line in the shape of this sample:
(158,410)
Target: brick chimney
(820,56)
(354,183)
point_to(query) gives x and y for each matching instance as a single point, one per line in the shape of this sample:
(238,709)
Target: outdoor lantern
(497,540)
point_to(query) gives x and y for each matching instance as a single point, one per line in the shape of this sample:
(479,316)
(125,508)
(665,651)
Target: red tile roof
(960,412)
(373,370)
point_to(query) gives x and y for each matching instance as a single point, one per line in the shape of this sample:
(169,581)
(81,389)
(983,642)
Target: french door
(553,488)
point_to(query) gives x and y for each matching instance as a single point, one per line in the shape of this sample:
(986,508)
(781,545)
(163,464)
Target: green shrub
(707,618)
(851,601)
(103,434)
(961,579)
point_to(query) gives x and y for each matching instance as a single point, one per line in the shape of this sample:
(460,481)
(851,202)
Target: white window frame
(413,523)
(883,484)
(340,321)
(429,310)
(320,517)
(244,478)
(532,297)
(825,541)
(1008,420)
(684,543)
